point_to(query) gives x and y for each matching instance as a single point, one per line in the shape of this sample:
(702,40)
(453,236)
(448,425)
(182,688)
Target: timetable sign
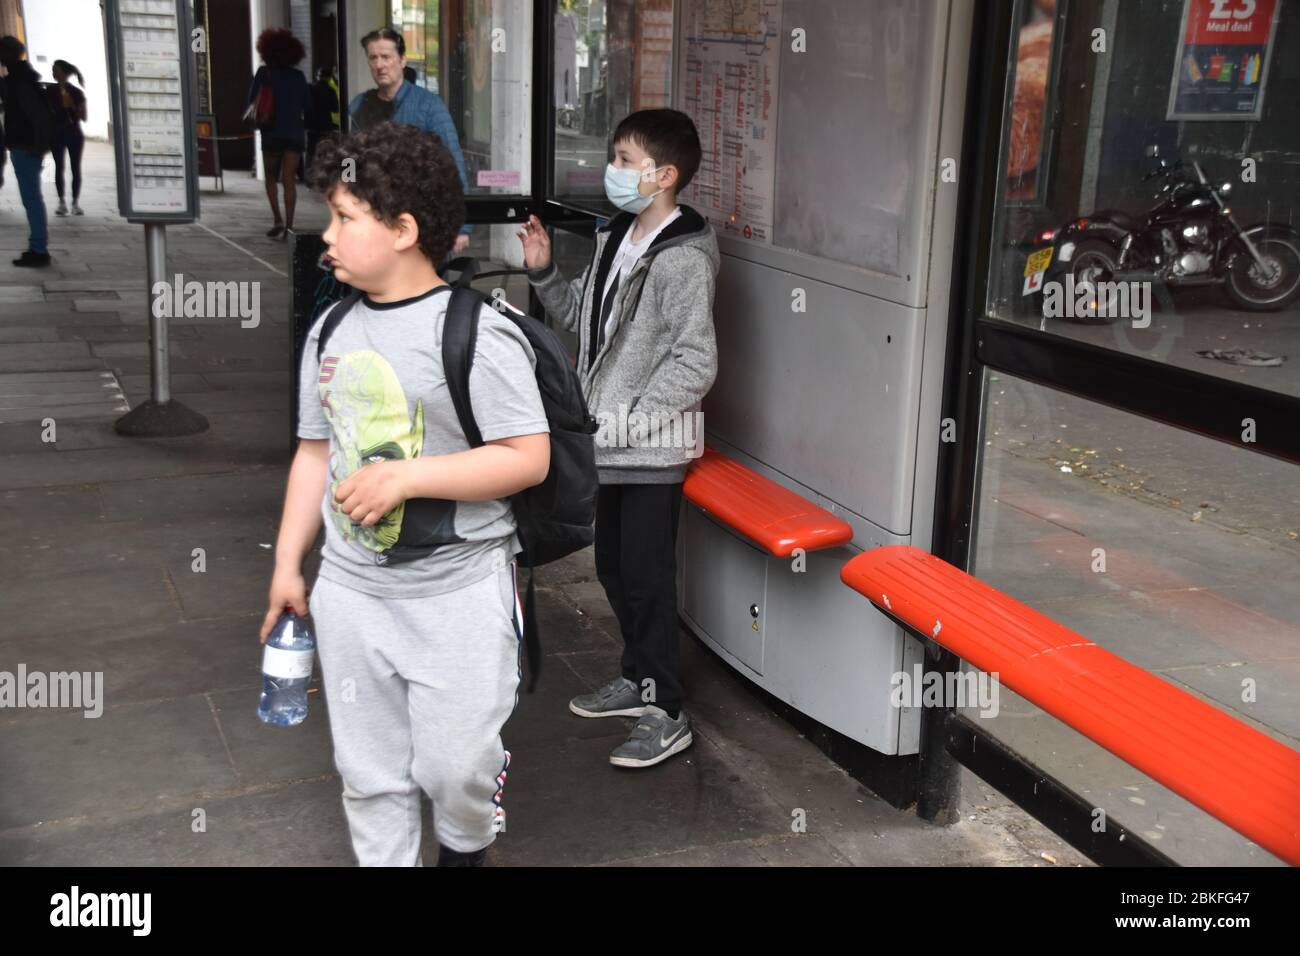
(149,65)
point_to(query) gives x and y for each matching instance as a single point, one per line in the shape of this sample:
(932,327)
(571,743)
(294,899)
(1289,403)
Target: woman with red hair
(283,134)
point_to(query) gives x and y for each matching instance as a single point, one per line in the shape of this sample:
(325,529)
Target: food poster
(1223,55)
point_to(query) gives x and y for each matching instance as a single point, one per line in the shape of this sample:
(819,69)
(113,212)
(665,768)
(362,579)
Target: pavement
(148,560)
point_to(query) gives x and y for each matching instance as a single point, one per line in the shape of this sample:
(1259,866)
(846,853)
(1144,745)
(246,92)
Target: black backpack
(554,518)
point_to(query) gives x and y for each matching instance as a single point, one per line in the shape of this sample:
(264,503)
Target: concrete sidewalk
(99,574)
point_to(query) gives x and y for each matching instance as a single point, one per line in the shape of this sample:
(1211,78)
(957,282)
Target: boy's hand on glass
(537,244)
(288,590)
(371,492)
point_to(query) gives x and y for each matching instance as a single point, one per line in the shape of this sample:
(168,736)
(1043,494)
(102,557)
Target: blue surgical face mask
(622,186)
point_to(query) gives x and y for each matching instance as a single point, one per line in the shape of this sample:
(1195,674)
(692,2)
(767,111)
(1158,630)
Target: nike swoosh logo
(665,743)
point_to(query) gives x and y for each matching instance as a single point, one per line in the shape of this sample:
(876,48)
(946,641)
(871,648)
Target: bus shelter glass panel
(612,58)
(1149,203)
(1176,552)
(477,56)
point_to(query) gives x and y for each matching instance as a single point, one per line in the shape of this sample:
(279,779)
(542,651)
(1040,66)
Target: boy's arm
(561,298)
(301,520)
(497,469)
(299,524)
(684,380)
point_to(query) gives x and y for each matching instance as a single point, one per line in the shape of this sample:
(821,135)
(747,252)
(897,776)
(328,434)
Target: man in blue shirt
(395,100)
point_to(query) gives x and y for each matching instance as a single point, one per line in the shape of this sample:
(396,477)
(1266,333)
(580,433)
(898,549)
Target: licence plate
(1039,261)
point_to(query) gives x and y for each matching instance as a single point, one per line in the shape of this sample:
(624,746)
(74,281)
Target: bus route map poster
(728,83)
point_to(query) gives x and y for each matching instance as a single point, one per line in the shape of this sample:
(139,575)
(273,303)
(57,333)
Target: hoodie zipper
(609,342)
(582,312)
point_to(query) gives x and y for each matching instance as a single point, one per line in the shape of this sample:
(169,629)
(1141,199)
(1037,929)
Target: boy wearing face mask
(643,309)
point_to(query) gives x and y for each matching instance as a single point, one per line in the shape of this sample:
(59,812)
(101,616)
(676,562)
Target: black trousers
(636,562)
(70,141)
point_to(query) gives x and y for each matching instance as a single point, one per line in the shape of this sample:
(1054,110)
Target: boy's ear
(668,176)
(406,232)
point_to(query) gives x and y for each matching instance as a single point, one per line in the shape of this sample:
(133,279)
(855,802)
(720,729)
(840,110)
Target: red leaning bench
(1241,776)
(773,517)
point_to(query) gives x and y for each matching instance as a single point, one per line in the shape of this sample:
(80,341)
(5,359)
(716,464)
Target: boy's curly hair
(398,169)
(279,47)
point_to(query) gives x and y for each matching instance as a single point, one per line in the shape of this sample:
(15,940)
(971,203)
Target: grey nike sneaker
(618,698)
(655,738)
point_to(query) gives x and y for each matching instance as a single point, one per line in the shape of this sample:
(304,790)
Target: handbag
(261,112)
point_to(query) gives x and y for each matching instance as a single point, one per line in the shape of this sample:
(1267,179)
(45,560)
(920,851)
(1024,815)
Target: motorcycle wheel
(1249,288)
(1094,261)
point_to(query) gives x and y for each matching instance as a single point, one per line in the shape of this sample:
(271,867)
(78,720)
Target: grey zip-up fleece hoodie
(660,357)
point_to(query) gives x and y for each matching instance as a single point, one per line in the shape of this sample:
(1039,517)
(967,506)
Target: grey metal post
(155,252)
(159,417)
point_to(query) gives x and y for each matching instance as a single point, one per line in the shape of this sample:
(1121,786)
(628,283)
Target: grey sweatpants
(418,690)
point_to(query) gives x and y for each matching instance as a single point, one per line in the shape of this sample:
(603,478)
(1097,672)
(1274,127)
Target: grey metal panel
(718,594)
(848,184)
(829,404)
(832,655)
(943,240)
(828,395)
(826,650)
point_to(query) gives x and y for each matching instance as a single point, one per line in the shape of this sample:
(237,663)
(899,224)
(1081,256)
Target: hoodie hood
(689,229)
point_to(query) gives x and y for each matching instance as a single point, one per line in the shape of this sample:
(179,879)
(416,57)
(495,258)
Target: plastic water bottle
(286,672)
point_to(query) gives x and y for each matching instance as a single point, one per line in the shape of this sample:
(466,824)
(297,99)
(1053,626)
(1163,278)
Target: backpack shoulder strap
(332,320)
(459,334)
(465,267)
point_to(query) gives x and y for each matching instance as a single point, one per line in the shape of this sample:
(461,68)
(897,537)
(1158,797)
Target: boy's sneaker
(618,698)
(62,209)
(449,857)
(655,738)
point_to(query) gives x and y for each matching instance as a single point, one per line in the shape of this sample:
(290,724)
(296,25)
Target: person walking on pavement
(397,100)
(69,105)
(29,130)
(282,141)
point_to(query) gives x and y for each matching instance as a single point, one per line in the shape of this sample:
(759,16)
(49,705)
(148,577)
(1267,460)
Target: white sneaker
(77,210)
(62,210)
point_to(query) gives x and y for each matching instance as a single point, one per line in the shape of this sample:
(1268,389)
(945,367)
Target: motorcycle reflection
(1189,238)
